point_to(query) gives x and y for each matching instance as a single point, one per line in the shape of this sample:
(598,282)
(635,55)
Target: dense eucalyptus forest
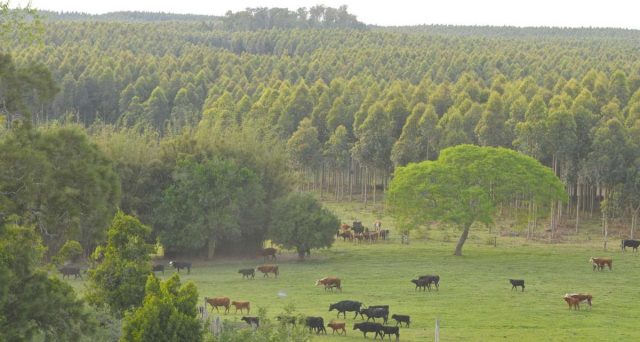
(153,104)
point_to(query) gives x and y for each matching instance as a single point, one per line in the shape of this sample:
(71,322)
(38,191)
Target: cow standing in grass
(369,327)
(431,279)
(574,300)
(346,305)
(178,265)
(329,283)
(268,253)
(266,269)
(217,302)
(630,243)
(68,271)
(515,283)
(600,263)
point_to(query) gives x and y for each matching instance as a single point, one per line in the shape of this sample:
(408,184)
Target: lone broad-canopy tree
(466,185)
(300,222)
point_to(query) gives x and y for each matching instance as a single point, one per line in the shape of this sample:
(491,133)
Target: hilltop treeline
(351,104)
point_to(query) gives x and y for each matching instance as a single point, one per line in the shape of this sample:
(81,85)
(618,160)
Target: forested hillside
(347,102)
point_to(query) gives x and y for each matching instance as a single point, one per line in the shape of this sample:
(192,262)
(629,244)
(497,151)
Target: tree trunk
(350,181)
(578,194)
(322,183)
(462,239)
(375,185)
(211,248)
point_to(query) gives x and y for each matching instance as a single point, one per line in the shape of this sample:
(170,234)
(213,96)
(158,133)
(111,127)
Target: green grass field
(475,301)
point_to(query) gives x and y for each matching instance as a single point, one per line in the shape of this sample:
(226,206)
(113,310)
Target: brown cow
(372,236)
(219,301)
(268,253)
(599,263)
(241,305)
(266,269)
(329,283)
(337,326)
(574,300)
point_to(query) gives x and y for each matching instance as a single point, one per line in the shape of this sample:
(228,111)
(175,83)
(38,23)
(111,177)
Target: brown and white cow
(219,301)
(574,300)
(241,305)
(329,283)
(266,269)
(599,263)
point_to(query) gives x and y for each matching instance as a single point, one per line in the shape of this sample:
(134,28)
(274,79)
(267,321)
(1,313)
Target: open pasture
(475,301)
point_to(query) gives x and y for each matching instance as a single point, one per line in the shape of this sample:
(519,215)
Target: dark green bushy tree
(168,313)
(300,222)
(118,279)
(32,303)
(210,201)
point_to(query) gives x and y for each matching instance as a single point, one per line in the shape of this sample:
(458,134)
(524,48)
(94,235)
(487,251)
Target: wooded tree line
(353,104)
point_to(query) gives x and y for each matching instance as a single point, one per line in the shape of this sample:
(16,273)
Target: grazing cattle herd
(356,232)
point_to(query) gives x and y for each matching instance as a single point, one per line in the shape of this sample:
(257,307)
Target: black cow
(388,330)
(431,279)
(406,319)
(251,320)
(367,327)
(420,283)
(630,243)
(157,268)
(373,313)
(248,272)
(346,305)
(68,271)
(180,265)
(315,323)
(517,282)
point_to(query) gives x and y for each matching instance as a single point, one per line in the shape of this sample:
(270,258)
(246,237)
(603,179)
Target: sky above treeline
(559,13)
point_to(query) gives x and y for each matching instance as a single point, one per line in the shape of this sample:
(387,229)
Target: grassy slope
(475,302)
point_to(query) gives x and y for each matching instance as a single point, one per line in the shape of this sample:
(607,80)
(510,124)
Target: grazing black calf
(420,284)
(248,272)
(251,320)
(346,305)
(316,323)
(387,330)
(68,271)
(373,313)
(180,265)
(367,327)
(517,282)
(431,279)
(630,243)
(157,268)
(406,319)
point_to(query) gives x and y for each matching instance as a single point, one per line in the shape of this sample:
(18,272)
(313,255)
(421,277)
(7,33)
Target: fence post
(437,333)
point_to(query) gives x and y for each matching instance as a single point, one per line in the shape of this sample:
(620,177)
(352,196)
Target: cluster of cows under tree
(359,233)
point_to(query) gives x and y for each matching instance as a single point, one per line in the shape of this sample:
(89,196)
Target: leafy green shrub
(70,252)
